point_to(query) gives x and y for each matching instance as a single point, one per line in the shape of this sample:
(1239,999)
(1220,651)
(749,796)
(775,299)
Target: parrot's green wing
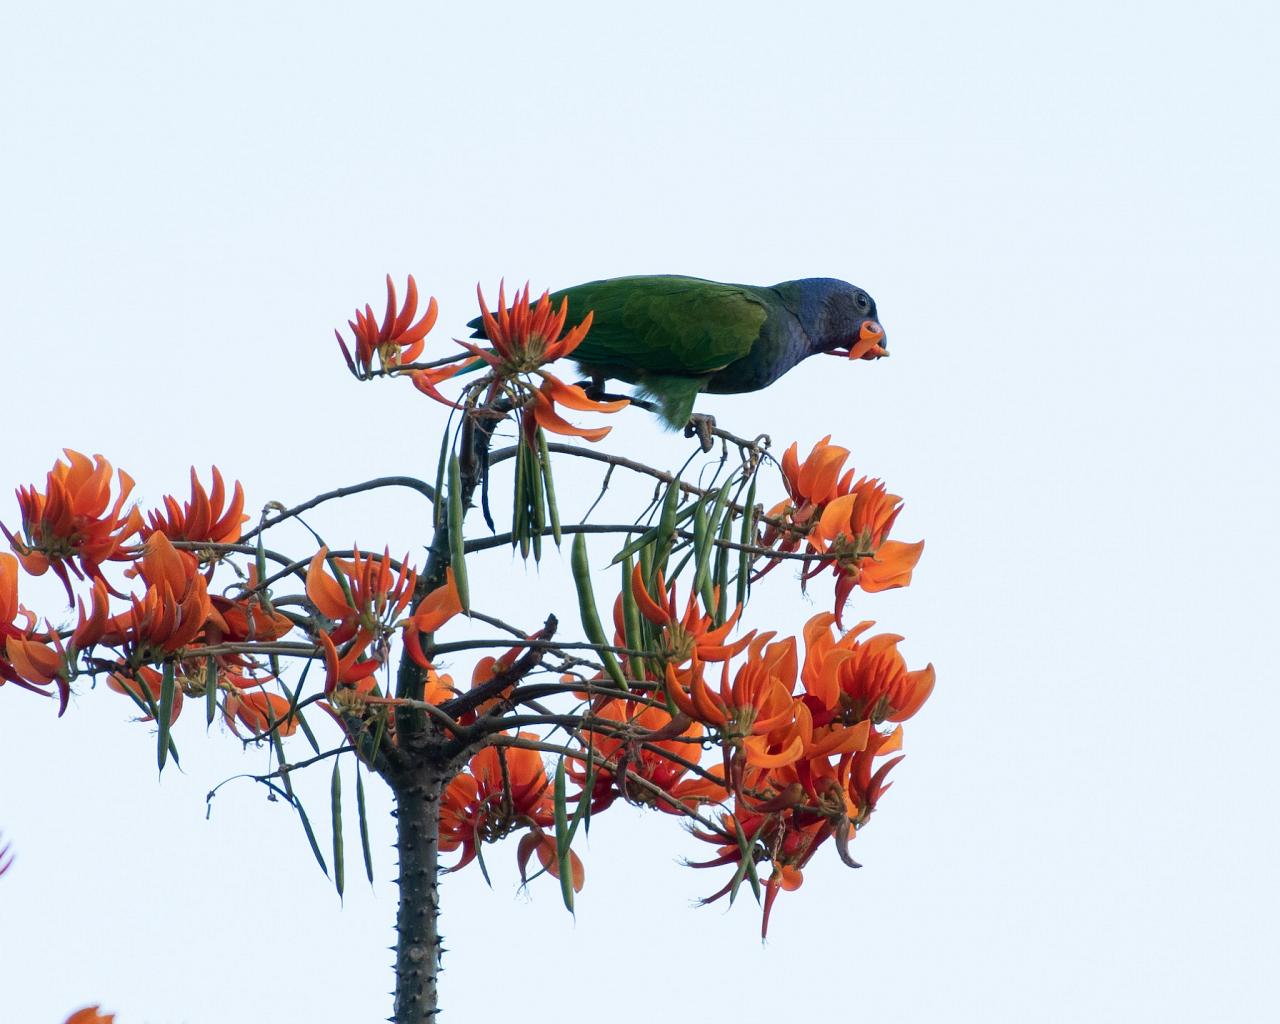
(664,326)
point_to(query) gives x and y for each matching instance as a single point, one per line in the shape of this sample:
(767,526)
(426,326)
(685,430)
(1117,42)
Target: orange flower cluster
(74,528)
(202,519)
(168,617)
(845,518)
(643,740)
(524,338)
(364,605)
(397,341)
(800,739)
(503,790)
(74,520)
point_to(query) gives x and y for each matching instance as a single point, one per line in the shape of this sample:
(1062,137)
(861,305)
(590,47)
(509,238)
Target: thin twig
(413,483)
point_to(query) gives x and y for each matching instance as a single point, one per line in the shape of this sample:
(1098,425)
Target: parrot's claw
(701,425)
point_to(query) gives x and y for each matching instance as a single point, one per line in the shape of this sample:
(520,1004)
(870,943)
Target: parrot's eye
(864,301)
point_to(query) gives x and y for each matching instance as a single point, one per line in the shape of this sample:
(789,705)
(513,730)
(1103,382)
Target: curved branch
(423,488)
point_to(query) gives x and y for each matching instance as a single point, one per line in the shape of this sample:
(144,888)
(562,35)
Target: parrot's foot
(595,390)
(701,425)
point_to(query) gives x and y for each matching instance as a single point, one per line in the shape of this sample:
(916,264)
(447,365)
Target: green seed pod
(549,483)
(747,537)
(590,616)
(457,542)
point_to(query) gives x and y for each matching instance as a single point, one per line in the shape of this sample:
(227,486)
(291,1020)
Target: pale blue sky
(1067,216)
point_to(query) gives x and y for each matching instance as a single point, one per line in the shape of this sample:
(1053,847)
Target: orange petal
(324,591)
(573,397)
(439,606)
(891,567)
(545,415)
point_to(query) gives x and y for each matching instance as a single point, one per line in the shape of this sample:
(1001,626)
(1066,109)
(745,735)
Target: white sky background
(1067,216)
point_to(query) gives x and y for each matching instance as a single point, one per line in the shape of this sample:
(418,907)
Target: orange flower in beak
(870,344)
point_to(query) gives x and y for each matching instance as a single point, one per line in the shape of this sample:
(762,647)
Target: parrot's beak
(870,343)
(871,339)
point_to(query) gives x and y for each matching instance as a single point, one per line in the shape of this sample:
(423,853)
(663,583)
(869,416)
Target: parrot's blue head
(850,324)
(839,318)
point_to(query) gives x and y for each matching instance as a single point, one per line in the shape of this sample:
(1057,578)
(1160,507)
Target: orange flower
(396,342)
(377,592)
(26,659)
(757,702)
(846,519)
(203,518)
(426,380)
(244,620)
(851,680)
(686,636)
(815,481)
(462,815)
(439,606)
(525,337)
(173,611)
(785,841)
(90,1015)
(432,612)
(542,411)
(537,841)
(71,522)
(863,786)
(259,712)
(486,803)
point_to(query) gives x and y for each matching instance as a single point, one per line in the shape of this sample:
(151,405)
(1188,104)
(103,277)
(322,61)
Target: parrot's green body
(675,337)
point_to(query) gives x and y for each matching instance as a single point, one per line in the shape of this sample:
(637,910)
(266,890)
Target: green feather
(664,326)
(675,395)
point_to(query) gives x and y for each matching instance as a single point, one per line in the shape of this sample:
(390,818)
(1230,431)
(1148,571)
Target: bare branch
(342,492)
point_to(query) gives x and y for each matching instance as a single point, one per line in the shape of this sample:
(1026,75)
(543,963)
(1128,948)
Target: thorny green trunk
(417,920)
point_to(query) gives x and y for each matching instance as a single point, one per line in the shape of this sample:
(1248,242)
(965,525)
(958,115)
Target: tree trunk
(417,925)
